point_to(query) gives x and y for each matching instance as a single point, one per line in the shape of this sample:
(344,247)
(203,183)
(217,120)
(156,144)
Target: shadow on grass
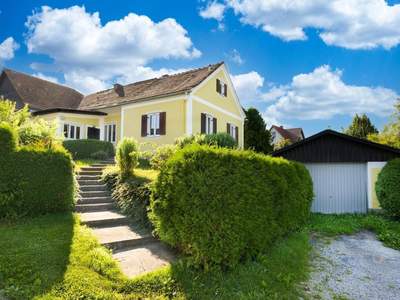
(34,254)
(276,274)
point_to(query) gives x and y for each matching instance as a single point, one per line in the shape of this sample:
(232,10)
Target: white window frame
(108,127)
(209,124)
(72,127)
(232,130)
(153,124)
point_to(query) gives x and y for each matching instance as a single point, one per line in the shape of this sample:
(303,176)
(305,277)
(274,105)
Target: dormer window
(222,88)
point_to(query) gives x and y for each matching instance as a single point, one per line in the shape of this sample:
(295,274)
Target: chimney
(119,89)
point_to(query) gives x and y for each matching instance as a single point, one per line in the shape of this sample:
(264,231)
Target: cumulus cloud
(7,49)
(319,95)
(91,55)
(235,56)
(46,77)
(213,10)
(352,24)
(248,86)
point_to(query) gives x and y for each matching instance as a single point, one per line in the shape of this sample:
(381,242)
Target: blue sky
(305,65)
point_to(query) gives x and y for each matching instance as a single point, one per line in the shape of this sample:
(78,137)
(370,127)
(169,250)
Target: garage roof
(332,146)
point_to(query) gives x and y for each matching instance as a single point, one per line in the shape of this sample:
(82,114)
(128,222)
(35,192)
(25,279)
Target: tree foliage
(282,143)
(256,136)
(361,127)
(390,134)
(31,131)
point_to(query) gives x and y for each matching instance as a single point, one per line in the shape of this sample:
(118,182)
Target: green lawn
(53,256)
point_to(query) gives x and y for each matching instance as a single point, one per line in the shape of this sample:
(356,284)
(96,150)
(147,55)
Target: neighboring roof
(293,134)
(41,94)
(332,146)
(148,89)
(67,110)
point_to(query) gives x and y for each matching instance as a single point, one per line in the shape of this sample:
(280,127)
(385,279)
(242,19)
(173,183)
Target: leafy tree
(390,134)
(31,131)
(361,127)
(256,135)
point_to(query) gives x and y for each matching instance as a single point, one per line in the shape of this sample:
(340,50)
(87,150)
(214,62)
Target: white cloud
(91,55)
(213,10)
(322,94)
(319,95)
(46,77)
(352,24)
(248,86)
(235,56)
(7,49)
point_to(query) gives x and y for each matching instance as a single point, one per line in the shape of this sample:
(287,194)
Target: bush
(31,131)
(220,140)
(215,139)
(388,188)
(133,199)
(161,155)
(127,156)
(221,205)
(99,155)
(34,181)
(84,149)
(8,139)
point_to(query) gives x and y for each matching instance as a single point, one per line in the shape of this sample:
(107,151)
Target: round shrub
(220,205)
(127,156)
(220,140)
(161,155)
(388,188)
(216,139)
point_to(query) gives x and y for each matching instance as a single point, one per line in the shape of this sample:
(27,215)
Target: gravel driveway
(354,267)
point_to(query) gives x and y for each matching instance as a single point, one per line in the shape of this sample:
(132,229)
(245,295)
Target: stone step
(119,237)
(103,219)
(93,207)
(83,173)
(93,200)
(90,194)
(144,259)
(85,182)
(88,177)
(97,187)
(91,168)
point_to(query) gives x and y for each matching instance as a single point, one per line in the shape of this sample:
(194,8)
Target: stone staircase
(135,248)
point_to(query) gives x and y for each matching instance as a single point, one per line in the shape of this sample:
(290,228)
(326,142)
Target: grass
(80,163)
(54,256)
(387,230)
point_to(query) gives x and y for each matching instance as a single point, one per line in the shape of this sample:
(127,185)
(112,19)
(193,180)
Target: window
(209,124)
(222,88)
(232,131)
(110,133)
(153,124)
(72,132)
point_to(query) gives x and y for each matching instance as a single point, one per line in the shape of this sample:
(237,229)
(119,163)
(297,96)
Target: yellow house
(157,110)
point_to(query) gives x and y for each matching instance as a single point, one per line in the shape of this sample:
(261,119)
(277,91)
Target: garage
(343,169)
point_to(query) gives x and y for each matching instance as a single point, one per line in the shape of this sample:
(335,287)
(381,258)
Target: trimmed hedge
(33,181)
(131,194)
(221,205)
(388,188)
(84,149)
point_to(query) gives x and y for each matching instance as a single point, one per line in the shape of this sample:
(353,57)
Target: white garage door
(339,187)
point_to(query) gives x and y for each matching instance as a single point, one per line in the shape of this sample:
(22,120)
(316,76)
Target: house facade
(154,111)
(278,133)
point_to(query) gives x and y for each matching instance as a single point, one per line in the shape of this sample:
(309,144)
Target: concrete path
(354,267)
(137,251)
